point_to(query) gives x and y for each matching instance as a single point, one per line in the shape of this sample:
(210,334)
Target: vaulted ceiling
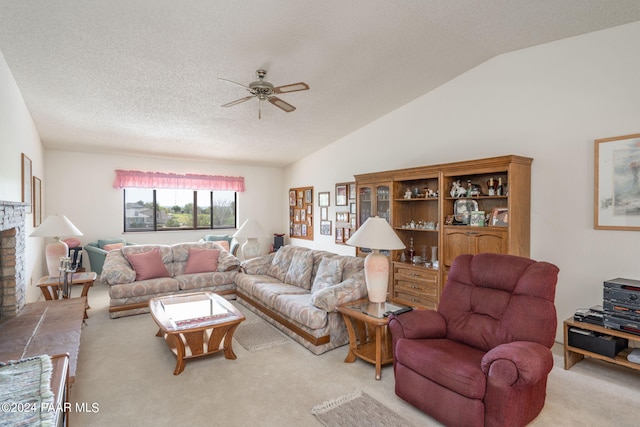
(140,77)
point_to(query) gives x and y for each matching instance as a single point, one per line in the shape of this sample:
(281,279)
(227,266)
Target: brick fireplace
(13,283)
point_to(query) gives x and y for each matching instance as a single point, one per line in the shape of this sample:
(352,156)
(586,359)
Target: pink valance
(138,179)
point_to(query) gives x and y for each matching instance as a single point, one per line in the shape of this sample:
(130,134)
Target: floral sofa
(297,290)
(135,274)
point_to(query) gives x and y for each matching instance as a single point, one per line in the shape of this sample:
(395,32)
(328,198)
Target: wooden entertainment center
(418,203)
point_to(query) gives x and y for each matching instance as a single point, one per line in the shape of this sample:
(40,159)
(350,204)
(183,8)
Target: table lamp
(251,231)
(376,234)
(55,226)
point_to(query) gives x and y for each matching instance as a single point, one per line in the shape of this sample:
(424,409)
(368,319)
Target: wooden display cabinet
(417,285)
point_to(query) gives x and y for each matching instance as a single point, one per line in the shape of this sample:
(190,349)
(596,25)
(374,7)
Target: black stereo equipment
(621,303)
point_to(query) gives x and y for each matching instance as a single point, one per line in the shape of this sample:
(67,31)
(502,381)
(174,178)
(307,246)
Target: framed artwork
(352,208)
(477,219)
(301,213)
(617,183)
(352,191)
(325,228)
(324,213)
(342,216)
(323,198)
(339,235)
(341,194)
(500,217)
(27,190)
(37,201)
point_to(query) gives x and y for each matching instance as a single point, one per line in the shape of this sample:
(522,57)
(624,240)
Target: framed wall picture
(323,198)
(352,191)
(37,201)
(27,185)
(617,183)
(325,228)
(324,213)
(339,235)
(292,198)
(341,194)
(301,213)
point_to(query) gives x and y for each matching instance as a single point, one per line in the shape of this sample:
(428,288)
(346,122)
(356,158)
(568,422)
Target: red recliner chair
(481,359)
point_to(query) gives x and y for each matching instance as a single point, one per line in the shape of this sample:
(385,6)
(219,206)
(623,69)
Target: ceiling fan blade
(281,104)
(235,83)
(293,87)
(237,101)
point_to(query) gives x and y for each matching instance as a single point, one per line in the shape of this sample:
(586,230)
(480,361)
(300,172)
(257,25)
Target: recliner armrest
(517,363)
(417,324)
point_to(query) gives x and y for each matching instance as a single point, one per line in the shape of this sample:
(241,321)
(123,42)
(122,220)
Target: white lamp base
(376,275)
(53,252)
(251,248)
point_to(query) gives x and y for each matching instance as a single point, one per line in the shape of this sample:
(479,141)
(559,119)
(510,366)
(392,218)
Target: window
(164,209)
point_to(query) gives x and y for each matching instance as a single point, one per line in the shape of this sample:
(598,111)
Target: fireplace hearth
(13,283)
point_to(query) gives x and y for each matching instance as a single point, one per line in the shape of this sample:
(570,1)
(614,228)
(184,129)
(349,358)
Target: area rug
(357,408)
(256,335)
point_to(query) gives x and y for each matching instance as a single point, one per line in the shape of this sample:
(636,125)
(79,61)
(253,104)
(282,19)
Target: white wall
(80,186)
(18,135)
(548,102)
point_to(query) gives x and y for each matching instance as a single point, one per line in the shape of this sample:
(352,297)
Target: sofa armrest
(348,290)
(116,269)
(517,363)
(259,265)
(227,262)
(96,257)
(417,324)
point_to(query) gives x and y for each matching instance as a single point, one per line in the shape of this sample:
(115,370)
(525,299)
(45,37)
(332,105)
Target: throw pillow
(72,242)
(280,265)
(148,265)
(329,273)
(102,242)
(113,246)
(202,261)
(300,269)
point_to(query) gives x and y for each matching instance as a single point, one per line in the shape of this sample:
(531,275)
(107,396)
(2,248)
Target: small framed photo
(324,213)
(346,234)
(342,216)
(37,201)
(352,223)
(352,191)
(325,228)
(303,215)
(292,198)
(339,235)
(304,230)
(341,194)
(500,217)
(296,217)
(352,208)
(323,198)
(308,196)
(27,184)
(477,219)
(309,209)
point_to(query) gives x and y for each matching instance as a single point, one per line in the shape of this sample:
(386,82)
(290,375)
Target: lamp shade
(56,226)
(250,229)
(376,233)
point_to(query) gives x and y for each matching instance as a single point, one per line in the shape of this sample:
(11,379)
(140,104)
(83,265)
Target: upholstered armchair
(97,251)
(481,359)
(231,245)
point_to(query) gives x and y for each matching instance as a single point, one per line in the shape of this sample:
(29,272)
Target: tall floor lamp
(251,230)
(376,234)
(56,226)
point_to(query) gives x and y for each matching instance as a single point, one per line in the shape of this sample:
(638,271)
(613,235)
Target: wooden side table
(369,338)
(50,285)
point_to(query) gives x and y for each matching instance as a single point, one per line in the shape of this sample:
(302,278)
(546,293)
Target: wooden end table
(196,324)
(51,285)
(369,337)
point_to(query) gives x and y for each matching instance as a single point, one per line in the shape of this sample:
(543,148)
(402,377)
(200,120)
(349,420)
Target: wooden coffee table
(369,338)
(196,324)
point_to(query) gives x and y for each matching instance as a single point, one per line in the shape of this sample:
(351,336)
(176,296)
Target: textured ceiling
(140,76)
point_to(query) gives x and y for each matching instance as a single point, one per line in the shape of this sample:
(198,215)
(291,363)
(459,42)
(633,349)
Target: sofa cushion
(144,288)
(280,263)
(223,240)
(148,265)
(300,269)
(113,246)
(202,261)
(299,309)
(102,242)
(329,273)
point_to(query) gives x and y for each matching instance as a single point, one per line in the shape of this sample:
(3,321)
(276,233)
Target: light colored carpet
(356,409)
(256,335)
(128,372)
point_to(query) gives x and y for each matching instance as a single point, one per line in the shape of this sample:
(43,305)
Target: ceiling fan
(263,90)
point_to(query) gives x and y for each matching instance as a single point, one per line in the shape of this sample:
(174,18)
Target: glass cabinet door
(383,202)
(365,204)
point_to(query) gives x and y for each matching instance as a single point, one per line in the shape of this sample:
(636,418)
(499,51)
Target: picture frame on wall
(341,194)
(339,235)
(352,191)
(27,186)
(325,228)
(308,196)
(292,198)
(323,198)
(617,183)
(324,213)
(37,201)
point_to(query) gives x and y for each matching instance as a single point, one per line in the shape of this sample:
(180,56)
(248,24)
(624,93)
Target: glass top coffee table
(196,324)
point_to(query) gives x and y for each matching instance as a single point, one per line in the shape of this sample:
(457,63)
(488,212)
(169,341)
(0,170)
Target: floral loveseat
(135,274)
(297,289)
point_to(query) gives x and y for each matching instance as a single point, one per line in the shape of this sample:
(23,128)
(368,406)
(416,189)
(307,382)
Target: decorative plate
(462,210)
